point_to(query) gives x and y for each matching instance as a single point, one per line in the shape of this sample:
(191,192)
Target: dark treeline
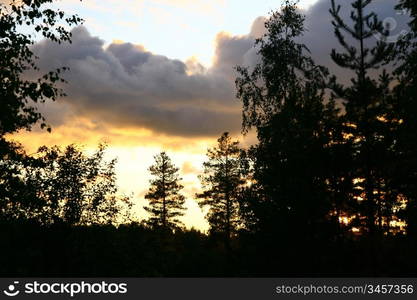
(330,188)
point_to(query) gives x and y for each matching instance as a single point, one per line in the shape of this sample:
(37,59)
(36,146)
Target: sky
(188,26)
(158,75)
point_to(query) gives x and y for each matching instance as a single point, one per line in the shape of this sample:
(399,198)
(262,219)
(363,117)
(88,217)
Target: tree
(19,94)
(71,187)
(166,203)
(405,95)
(370,119)
(412,7)
(221,183)
(283,99)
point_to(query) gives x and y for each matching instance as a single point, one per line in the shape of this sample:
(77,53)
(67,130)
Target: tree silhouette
(221,183)
(370,118)
(318,194)
(62,186)
(283,98)
(405,94)
(74,188)
(166,203)
(19,94)
(412,7)
(13,191)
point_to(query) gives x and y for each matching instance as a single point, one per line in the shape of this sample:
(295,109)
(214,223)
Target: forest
(328,190)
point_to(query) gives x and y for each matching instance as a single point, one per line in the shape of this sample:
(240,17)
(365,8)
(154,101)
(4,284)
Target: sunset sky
(153,75)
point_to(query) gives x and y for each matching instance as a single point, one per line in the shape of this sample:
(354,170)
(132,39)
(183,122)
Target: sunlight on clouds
(118,42)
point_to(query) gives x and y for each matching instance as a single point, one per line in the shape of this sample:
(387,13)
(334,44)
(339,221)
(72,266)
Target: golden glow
(134,149)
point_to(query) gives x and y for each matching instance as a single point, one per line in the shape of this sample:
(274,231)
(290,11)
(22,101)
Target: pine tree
(166,203)
(369,119)
(411,6)
(405,94)
(221,184)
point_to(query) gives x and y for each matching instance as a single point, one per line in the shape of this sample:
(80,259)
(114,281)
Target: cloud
(125,86)
(232,51)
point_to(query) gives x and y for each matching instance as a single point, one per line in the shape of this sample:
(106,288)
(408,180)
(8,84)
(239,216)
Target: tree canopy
(166,203)
(221,182)
(20,94)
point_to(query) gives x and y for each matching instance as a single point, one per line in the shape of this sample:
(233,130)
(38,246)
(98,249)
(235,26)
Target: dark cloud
(124,85)
(232,51)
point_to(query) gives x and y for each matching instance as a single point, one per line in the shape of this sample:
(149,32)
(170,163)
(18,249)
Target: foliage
(221,183)
(135,250)
(266,89)
(66,186)
(283,98)
(405,93)
(12,188)
(18,93)
(22,88)
(411,6)
(166,203)
(317,195)
(370,119)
